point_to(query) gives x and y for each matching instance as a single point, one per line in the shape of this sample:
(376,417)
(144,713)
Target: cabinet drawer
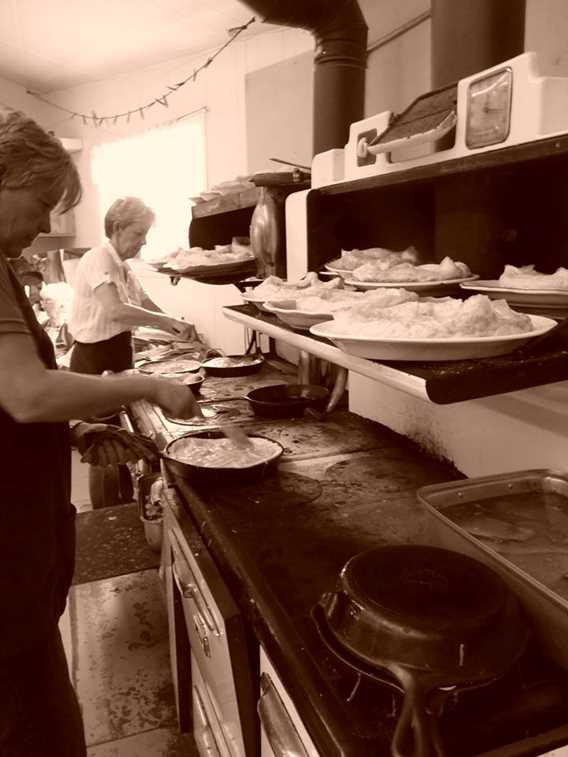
(282,732)
(216,634)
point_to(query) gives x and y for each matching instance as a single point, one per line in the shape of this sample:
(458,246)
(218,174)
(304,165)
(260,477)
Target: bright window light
(164,167)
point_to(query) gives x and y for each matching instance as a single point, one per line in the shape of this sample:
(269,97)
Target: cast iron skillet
(431,619)
(218,476)
(287,400)
(233,365)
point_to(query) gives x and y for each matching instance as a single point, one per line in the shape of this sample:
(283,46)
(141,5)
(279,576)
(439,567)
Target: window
(163,166)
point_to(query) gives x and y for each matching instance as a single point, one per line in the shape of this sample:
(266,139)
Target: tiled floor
(116,639)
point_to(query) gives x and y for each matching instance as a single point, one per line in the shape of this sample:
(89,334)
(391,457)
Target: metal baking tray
(517,524)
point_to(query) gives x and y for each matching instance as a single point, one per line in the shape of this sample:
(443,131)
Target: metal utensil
(235,434)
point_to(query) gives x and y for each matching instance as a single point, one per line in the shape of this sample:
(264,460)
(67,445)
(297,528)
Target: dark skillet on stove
(430,618)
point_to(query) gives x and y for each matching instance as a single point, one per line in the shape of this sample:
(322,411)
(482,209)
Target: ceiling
(49,45)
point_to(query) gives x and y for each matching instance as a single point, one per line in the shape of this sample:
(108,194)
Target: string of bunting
(162,100)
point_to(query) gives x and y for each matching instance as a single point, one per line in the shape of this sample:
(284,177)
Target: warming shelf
(443,383)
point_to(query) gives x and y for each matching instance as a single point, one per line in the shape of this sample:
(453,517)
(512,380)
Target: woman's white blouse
(89,321)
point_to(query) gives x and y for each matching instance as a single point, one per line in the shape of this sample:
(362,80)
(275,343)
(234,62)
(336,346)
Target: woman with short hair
(39,713)
(108,300)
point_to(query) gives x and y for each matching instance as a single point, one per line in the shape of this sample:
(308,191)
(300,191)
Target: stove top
(290,534)
(343,485)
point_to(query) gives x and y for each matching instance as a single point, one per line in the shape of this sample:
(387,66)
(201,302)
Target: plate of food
(313,308)
(288,312)
(274,289)
(443,328)
(353,259)
(431,349)
(430,288)
(250,299)
(526,286)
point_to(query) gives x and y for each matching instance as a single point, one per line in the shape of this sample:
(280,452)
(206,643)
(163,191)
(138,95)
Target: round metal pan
(287,400)
(430,618)
(233,365)
(218,476)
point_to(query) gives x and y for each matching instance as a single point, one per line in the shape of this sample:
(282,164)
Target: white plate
(537,297)
(254,301)
(343,272)
(424,287)
(457,348)
(297,319)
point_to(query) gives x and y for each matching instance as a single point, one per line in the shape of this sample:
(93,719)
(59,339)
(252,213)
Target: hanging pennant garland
(162,100)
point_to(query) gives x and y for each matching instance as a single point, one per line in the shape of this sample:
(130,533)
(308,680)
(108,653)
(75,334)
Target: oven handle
(188,587)
(207,735)
(278,726)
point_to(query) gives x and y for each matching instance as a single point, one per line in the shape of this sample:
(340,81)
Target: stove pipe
(340,33)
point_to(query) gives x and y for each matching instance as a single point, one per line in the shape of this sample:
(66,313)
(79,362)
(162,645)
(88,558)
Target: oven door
(223,694)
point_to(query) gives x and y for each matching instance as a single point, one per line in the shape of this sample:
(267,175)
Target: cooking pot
(428,618)
(287,400)
(218,475)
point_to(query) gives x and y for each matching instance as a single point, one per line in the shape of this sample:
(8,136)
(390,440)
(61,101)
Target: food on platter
(181,260)
(381,271)
(223,452)
(432,318)
(526,277)
(352,259)
(273,288)
(334,300)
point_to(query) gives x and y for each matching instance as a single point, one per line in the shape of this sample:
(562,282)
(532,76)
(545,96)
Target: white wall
(220,89)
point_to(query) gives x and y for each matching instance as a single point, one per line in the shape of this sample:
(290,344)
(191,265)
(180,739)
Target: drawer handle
(188,586)
(278,726)
(201,631)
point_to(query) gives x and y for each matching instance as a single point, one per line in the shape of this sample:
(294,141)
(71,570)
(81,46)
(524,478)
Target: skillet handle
(412,734)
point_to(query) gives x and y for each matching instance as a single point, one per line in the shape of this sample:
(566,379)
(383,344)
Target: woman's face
(24,213)
(129,240)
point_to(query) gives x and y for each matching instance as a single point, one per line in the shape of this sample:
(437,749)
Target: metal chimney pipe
(471,35)
(340,34)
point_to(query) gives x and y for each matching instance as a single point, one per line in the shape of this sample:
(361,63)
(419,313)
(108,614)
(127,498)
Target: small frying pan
(431,619)
(287,400)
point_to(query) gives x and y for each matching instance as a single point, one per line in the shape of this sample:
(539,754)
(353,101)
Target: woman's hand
(184,331)
(103,444)
(175,399)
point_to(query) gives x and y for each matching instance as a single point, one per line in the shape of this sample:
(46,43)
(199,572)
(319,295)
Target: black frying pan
(217,475)
(430,619)
(287,400)
(233,365)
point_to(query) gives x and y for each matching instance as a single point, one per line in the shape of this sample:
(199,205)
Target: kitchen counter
(343,485)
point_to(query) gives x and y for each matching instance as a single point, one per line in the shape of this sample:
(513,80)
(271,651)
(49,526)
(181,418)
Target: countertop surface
(343,485)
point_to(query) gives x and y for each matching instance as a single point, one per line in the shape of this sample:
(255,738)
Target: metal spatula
(235,434)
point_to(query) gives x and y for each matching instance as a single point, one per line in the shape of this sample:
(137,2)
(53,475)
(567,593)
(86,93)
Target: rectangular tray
(525,516)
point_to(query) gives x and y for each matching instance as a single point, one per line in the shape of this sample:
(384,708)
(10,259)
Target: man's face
(129,240)
(24,213)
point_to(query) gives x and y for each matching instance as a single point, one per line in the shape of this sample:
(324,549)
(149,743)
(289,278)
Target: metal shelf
(244,314)
(439,382)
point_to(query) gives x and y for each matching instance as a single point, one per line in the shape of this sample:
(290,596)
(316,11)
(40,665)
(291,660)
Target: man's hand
(103,444)
(176,400)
